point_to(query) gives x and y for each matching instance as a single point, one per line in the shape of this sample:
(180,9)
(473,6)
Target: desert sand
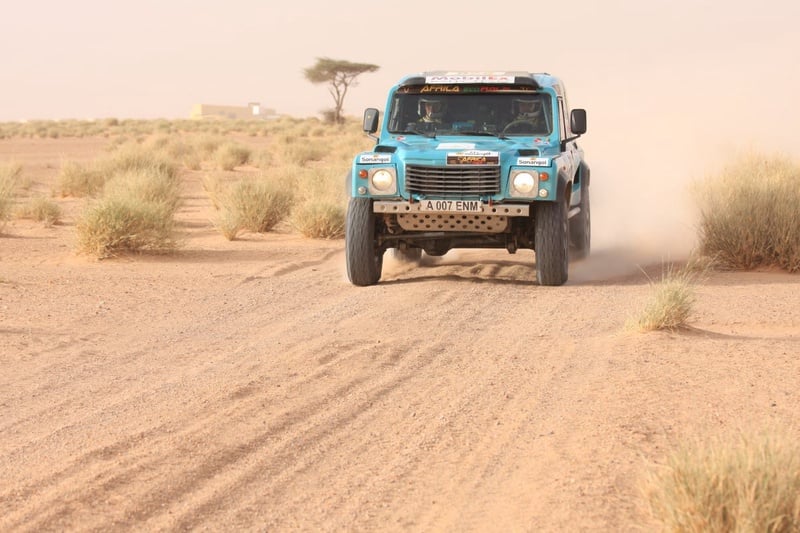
(246,385)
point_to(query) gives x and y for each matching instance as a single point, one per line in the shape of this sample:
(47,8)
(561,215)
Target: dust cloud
(664,130)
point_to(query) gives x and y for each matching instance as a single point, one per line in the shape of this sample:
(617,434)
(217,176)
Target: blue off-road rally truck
(471,160)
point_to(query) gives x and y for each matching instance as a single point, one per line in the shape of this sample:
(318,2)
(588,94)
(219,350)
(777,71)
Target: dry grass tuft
(739,483)
(670,303)
(118,224)
(214,189)
(230,155)
(135,214)
(79,180)
(305,151)
(138,158)
(9,179)
(321,211)
(749,216)
(87,180)
(320,219)
(254,204)
(41,209)
(148,185)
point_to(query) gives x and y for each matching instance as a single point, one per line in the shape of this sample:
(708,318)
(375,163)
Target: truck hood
(436,150)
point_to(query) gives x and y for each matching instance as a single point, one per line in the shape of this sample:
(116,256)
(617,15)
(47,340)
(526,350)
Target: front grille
(455,181)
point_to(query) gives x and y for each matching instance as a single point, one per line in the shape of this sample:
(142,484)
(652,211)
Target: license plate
(452,206)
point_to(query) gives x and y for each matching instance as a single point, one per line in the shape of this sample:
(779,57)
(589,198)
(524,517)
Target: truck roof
(537,79)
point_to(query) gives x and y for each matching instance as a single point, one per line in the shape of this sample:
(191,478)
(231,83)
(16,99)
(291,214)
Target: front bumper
(451,215)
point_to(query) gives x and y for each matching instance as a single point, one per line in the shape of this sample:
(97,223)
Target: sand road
(246,385)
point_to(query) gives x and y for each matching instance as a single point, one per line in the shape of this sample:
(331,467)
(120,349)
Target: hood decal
(456,146)
(473,157)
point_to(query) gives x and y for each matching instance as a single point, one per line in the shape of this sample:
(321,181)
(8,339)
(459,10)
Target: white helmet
(431,107)
(527,108)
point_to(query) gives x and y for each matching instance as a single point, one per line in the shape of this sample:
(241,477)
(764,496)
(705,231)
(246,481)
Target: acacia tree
(340,75)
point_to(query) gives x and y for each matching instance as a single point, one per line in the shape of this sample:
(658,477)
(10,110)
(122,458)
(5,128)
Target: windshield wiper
(431,134)
(498,134)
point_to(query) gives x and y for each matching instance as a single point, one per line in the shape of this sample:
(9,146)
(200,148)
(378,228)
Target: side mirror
(371,120)
(577,121)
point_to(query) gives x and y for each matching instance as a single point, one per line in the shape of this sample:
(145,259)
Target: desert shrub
(749,215)
(228,223)
(255,204)
(231,154)
(79,180)
(320,219)
(303,151)
(322,207)
(670,303)
(9,175)
(87,180)
(159,142)
(208,144)
(192,161)
(148,185)
(135,158)
(116,142)
(261,159)
(125,224)
(740,483)
(135,214)
(212,185)
(179,150)
(41,209)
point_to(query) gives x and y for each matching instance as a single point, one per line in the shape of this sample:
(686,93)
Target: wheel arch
(564,188)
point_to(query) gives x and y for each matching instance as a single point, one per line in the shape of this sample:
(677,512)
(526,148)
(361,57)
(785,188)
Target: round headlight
(382,180)
(524,182)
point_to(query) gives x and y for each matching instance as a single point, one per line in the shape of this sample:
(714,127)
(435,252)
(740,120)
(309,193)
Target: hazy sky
(155,58)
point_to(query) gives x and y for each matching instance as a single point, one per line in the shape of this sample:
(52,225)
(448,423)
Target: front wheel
(551,243)
(364,258)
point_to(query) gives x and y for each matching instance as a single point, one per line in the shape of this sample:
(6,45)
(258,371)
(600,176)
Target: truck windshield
(513,113)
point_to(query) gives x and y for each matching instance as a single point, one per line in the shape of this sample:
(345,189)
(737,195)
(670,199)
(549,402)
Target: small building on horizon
(253,110)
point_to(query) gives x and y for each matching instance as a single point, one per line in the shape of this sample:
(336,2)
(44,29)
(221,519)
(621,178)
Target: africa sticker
(473,157)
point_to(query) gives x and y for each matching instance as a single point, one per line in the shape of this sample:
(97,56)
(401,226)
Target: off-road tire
(580,228)
(364,260)
(551,243)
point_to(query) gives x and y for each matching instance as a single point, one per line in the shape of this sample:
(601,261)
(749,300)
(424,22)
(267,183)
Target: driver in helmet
(430,110)
(528,116)
(528,109)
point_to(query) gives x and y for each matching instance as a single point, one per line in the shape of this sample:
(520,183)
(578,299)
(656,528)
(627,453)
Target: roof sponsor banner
(470,78)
